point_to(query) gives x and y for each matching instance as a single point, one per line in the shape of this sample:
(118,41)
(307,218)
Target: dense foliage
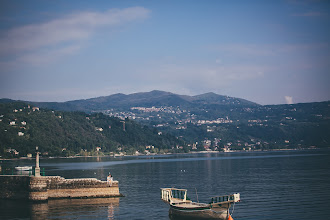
(24,127)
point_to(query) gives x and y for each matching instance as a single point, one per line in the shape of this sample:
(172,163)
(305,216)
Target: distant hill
(145,99)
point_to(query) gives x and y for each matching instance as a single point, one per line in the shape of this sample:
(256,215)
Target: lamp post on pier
(37,169)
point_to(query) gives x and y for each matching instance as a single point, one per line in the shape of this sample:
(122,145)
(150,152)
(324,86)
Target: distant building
(20,133)
(35,108)
(29,155)
(23,123)
(98,148)
(207,143)
(13,151)
(12,123)
(226,149)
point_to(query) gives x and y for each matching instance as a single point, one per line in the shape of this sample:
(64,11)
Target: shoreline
(154,154)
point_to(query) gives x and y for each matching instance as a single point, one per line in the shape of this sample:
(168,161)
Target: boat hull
(181,207)
(179,213)
(26,168)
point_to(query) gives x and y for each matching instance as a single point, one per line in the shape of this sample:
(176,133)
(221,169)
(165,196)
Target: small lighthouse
(37,169)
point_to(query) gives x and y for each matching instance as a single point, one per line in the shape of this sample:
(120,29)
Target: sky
(268,52)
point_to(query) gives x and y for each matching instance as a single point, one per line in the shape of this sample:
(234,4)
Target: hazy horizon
(158,91)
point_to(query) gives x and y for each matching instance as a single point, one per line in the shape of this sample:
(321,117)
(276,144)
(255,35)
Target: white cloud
(288,99)
(66,31)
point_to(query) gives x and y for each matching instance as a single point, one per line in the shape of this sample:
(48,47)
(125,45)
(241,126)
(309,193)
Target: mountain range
(144,99)
(214,121)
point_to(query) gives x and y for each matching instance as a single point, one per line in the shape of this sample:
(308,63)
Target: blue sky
(269,52)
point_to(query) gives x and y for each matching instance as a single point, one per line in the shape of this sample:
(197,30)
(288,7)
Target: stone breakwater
(55,187)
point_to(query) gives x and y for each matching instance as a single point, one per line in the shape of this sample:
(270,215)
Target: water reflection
(104,208)
(39,210)
(111,212)
(91,208)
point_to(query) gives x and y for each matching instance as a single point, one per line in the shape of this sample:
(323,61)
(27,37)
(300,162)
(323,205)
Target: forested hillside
(203,122)
(23,127)
(259,127)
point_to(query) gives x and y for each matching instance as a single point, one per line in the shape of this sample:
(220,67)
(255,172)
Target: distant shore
(154,154)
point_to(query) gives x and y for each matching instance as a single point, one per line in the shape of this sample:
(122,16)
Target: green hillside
(23,127)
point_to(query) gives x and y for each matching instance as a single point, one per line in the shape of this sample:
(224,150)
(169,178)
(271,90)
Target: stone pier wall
(55,187)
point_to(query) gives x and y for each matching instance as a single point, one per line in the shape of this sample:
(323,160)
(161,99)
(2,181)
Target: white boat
(23,168)
(182,207)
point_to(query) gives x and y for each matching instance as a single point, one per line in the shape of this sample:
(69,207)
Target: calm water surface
(273,185)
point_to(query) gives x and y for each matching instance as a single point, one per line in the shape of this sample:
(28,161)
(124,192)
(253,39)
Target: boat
(182,207)
(23,168)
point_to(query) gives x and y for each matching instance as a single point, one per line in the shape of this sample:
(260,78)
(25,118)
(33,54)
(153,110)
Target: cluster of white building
(170,109)
(217,121)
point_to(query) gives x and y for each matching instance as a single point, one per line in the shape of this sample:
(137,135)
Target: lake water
(273,185)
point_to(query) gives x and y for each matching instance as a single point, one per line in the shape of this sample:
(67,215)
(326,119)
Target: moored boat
(182,207)
(23,168)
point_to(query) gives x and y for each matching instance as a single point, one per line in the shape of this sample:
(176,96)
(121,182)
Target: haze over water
(273,185)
